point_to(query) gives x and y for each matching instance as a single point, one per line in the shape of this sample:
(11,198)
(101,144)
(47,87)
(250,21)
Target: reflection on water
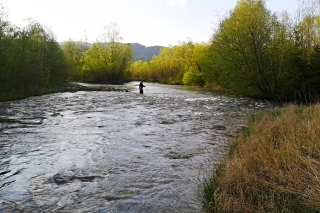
(114,151)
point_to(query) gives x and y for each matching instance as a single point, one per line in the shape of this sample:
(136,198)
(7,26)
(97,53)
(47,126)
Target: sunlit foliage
(171,64)
(257,54)
(253,52)
(106,61)
(30,58)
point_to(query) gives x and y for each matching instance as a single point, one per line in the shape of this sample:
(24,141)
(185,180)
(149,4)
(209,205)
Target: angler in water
(141,87)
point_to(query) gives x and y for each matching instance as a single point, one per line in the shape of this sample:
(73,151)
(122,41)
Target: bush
(192,78)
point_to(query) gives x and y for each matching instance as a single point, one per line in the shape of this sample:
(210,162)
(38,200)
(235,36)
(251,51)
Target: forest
(253,52)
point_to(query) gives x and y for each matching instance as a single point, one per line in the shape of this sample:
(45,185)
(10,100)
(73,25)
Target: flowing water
(115,151)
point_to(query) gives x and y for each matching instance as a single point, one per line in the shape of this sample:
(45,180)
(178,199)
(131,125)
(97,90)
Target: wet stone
(166,122)
(219,127)
(69,176)
(63,177)
(175,155)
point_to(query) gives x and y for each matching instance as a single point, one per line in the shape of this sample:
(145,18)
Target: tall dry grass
(274,165)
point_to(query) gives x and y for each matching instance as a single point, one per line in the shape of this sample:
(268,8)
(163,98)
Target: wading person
(141,87)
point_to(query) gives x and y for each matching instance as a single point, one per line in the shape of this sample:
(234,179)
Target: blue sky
(148,22)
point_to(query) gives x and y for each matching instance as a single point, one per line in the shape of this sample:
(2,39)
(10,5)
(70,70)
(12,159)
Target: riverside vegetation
(253,52)
(272,166)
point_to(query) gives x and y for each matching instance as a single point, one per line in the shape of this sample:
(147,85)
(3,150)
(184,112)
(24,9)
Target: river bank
(272,166)
(67,87)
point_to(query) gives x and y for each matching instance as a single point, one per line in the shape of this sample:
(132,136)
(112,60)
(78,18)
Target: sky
(148,22)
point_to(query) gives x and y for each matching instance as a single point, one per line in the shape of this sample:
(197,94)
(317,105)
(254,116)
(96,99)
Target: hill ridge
(142,52)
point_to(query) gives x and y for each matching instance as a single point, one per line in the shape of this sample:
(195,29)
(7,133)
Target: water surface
(114,151)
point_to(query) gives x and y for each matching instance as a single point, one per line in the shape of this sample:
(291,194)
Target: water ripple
(114,151)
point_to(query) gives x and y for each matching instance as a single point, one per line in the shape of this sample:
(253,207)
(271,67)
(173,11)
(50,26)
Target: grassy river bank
(273,165)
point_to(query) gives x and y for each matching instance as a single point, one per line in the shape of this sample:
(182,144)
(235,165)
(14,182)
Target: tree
(192,78)
(244,49)
(307,39)
(6,52)
(108,60)
(30,58)
(41,60)
(74,52)
(170,65)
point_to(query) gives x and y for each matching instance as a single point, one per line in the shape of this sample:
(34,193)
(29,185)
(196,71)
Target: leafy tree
(206,62)
(166,65)
(41,59)
(197,65)
(244,48)
(141,70)
(30,59)
(108,60)
(74,52)
(192,78)
(170,65)
(307,39)
(6,37)
(57,63)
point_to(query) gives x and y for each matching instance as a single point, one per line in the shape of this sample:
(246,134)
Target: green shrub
(192,78)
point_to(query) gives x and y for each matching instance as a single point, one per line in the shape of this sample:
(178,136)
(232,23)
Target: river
(115,151)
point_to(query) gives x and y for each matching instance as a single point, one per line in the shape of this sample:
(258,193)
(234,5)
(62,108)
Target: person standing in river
(141,87)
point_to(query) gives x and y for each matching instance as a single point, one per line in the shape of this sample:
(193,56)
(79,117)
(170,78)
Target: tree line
(106,61)
(33,62)
(30,58)
(253,52)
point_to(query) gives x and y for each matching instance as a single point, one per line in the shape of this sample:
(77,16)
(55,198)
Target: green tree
(74,52)
(7,36)
(206,62)
(141,70)
(41,60)
(244,50)
(192,78)
(195,63)
(30,59)
(166,65)
(307,39)
(108,60)
(170,65)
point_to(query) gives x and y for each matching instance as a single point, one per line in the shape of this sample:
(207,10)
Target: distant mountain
(143,53)
(140,52)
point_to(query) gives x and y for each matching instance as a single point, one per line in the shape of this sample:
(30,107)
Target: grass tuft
(274,166)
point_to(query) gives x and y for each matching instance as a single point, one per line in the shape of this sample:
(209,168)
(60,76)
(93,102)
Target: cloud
(176,2)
